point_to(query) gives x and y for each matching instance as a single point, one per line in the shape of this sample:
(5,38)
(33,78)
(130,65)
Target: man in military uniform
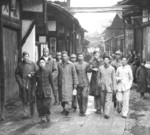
(117,63)
(24,72)
(83,85)
(57,88)
(95,63)
(73,59)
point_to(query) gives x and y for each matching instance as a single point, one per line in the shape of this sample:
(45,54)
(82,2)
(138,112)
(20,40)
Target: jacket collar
(27,62)
(67,62)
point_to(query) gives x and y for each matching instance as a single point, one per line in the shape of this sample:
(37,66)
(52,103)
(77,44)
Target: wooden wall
(129,39)
(10,39)
(146,43)
(138,40)
(10,44)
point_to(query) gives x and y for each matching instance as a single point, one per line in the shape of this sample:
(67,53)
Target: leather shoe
(106,117)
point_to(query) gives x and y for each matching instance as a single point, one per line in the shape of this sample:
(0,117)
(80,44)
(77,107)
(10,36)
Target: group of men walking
(67,79)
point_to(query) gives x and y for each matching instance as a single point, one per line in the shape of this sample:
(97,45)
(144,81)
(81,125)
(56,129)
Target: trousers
(123,97)
(106,101)
(66,105)
(43,106)
(82,96)
(97,102)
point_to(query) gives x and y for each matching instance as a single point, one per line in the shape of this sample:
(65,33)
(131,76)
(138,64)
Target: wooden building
(55,27)
(30,25)
(114,35)
(10,41)
(140,19)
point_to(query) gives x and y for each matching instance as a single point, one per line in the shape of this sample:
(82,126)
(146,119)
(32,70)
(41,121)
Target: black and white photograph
(74,67)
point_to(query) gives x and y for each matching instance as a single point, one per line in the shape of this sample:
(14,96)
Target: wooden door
(146,43)
(10,45)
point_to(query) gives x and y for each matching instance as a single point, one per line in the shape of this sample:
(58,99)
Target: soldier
(50,65)
(74,100)
(107,82)
(73,58)
(57,89)
(58,57)
(83,85)
(44,87)
(95,63)
(67,80)
(117,63)
(24,72)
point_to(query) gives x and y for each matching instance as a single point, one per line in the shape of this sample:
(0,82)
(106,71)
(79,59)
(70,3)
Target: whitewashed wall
(30,46)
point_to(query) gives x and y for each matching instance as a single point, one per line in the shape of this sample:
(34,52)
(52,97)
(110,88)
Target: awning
(63,12)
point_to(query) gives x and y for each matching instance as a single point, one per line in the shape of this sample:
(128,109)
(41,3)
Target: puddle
(140,130)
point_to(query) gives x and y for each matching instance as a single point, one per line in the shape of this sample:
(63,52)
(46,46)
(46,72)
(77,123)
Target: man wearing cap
(117,63)
(95,63)
(50,65)
(58,57)
(67,80)
(24,77)
(57,88)
(73,59)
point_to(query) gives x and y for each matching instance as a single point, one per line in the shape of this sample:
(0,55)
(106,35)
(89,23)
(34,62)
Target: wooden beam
(136,17)
(103,9)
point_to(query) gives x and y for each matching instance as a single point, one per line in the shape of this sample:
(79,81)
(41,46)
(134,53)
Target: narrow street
(92,124)
(51,45)
(138,122)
